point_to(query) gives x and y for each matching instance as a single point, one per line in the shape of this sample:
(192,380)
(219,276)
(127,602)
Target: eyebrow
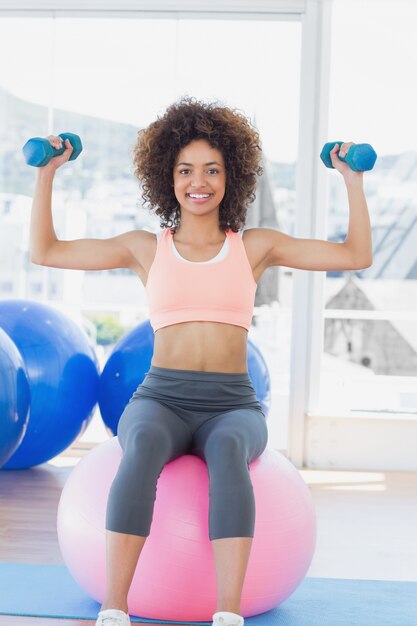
(210,163)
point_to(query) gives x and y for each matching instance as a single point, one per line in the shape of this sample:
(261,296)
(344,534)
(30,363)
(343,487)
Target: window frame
(310,219)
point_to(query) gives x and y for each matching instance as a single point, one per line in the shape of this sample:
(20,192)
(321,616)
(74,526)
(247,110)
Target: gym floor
(366,523)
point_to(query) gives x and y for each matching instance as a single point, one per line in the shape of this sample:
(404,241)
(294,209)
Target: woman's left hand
(341,166)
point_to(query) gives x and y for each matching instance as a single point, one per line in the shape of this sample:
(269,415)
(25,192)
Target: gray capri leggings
(213,415)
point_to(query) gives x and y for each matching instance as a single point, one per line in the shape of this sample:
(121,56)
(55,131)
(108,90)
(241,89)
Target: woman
(197,164)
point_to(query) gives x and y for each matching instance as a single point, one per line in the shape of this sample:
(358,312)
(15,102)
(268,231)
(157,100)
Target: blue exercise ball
(63,377)
(125,369)
(14,398)
(130,360)
(259,375)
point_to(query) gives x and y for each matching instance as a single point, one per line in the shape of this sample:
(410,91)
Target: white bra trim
(159,233)
(221,254)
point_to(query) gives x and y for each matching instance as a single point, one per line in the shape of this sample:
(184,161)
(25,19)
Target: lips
(199,198)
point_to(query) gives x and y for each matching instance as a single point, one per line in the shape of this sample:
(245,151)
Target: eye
(182,171)
(214,170)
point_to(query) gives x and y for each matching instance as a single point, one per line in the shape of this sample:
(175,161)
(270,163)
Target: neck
(199,235)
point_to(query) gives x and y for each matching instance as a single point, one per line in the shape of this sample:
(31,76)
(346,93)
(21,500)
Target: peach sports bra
(219,290)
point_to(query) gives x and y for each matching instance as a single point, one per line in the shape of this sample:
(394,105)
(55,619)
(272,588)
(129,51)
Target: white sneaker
(226,618)
(113,617)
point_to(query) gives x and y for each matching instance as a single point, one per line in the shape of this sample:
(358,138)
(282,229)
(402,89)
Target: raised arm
(355,252)
(83,254)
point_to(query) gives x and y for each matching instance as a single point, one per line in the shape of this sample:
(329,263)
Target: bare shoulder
(136,236)
(258,244)
(142,236)
(141,244)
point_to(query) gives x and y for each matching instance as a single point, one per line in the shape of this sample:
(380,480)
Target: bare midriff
(203,346)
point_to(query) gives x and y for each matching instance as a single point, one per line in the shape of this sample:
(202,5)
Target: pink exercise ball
(175,578)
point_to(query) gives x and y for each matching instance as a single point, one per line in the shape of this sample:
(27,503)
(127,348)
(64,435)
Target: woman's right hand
(57,142)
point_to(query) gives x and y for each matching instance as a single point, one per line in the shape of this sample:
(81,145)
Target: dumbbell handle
(360,157)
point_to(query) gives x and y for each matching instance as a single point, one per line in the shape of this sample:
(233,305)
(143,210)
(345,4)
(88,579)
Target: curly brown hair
(226,129)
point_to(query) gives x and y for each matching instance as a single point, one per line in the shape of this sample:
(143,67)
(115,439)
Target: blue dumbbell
(38,151)
(360,157)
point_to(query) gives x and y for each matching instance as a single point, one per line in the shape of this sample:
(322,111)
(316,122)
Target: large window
(104,78)
(370,332)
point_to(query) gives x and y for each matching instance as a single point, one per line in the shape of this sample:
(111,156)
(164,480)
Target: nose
(198,180)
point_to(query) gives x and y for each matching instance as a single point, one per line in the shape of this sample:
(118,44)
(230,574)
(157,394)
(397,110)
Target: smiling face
(199,177)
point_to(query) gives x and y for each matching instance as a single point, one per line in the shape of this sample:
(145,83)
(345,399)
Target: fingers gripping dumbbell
(360,157)
(38,151)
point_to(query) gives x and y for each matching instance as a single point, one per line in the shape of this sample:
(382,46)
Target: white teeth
(199,195)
